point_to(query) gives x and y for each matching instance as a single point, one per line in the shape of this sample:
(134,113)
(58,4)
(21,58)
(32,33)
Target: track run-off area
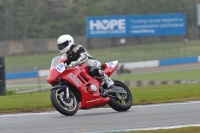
(100,120)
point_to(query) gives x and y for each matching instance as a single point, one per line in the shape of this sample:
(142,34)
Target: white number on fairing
(111,64)
(60,67)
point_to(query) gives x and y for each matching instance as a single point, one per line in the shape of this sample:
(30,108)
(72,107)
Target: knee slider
(93,71)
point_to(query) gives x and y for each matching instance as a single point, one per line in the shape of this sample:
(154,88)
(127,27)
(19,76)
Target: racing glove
(73,64)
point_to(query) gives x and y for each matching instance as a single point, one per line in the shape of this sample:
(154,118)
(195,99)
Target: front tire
(121,102)
(65,106)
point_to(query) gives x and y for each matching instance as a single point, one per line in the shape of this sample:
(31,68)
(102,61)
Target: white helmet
(64,43)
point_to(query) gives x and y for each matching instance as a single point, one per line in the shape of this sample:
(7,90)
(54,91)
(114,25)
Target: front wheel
(66,106)
(121,101)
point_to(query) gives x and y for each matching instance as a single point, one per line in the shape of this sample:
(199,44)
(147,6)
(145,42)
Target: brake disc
(69,100)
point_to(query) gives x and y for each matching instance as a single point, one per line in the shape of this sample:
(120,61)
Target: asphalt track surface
(104,119)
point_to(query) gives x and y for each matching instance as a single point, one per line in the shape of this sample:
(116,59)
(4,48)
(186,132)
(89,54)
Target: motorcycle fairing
(57,67)
(110,67)
(82,81)
(54,74)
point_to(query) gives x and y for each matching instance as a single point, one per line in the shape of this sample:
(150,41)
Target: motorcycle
(74,88)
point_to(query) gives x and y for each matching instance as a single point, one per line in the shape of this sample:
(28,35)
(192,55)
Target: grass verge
(161,76)
(165,93)
(33,102)
(178,130)
(37,102)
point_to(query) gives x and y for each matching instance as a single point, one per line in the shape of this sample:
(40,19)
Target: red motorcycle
(74,88)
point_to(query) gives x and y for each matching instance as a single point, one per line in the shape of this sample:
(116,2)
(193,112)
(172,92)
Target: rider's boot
(108,81)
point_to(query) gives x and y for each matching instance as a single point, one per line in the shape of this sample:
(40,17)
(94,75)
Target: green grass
(25,102)
(142,95)
(126,53)
(25,87)
(165,93)
(161,76)
(178,130)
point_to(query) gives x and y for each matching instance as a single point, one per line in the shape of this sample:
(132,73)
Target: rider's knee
(95,71)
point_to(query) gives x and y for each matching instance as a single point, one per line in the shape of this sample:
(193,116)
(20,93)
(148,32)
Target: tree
(22,19)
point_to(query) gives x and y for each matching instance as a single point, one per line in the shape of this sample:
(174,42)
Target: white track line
(98,109)
(147,129)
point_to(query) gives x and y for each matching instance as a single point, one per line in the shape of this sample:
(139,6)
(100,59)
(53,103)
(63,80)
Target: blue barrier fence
(20,75)
(131,65)
(177,61)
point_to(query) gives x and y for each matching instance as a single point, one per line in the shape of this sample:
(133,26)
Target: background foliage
(22,19)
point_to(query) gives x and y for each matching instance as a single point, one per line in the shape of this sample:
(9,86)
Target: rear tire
(60,103)
(115,102)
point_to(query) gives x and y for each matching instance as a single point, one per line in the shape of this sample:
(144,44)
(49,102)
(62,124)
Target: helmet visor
(63,45)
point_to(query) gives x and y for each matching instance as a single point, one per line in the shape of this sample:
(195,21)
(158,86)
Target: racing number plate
(111,64)
(60,67)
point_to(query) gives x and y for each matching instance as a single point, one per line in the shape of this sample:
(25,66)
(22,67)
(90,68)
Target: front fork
(64,87)
(67,92)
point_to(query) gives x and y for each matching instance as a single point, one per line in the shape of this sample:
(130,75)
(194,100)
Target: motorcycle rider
(77,54)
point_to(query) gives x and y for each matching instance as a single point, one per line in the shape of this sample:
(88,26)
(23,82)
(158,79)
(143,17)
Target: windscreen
(55,61)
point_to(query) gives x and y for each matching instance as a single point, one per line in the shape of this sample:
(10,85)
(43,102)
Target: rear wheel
(66,106)
(121,101)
